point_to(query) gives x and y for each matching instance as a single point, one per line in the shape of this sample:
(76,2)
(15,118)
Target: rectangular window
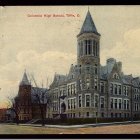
(71,104)
(87,114)
(111,103)
(127,89)
(115,103)
(86,47)
(80,101)
(102,102)
(96,100)
(102,87)
(128,104)
(124,104)
(87,83)
(120,103)
(68,104)
(111,115)
(74,92)
(87,100)
(96,70)
(74,103)
(102,114)
(95,48)
(124,88)
(89,46)
(111,88)
(120,91)
(71,90)
(115,89)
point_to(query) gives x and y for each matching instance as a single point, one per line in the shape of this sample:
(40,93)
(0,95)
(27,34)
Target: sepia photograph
(70,69)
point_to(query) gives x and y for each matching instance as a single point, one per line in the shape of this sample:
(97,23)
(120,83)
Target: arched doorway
(63,108)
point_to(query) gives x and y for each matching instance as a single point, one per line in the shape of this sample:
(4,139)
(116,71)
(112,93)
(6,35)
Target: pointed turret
(88,25)
(25,80)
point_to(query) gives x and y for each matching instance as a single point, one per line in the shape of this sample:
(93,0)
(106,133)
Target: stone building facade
(91,90)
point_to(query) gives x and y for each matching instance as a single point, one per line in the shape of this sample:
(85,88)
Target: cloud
(42,65)
(127,51)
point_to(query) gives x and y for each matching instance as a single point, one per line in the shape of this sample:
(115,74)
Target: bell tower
(88,60)
(88,43)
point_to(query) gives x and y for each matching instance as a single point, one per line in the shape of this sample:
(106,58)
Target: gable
(115,74)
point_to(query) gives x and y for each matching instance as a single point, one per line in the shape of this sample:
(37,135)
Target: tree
(42,98)
(14,106)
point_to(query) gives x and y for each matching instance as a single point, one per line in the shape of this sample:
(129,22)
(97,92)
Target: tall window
(89,46)
(81,48)
(96,70)
(115,89)
(68,104)
(120,103)
(124,104)
(115,103)
(127,89)
(96,100)
(111,88)
(95,83)
(88,69)
(127,104)
(71,89)
(102,87)
(120,91)
(87,100)
(111,103)
(71,104)
(74,88)
(102,102)
(80,101)
(74,104)
(95,48)
(86,47)
(80,69)
(87,83)
(124,89)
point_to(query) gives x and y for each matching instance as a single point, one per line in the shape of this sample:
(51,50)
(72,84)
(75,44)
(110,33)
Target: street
(115,129)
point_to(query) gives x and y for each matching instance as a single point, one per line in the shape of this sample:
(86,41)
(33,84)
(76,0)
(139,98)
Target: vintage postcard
(70,70)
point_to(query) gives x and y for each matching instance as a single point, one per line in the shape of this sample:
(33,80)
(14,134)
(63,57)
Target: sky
(45,45)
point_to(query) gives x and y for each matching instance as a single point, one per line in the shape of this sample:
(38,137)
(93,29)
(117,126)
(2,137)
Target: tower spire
(88,25)
(25,80)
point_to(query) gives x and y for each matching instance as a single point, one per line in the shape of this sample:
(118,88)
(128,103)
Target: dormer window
(115,76)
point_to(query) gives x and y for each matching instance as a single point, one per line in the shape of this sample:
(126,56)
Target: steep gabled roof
(88,25)
(25,80)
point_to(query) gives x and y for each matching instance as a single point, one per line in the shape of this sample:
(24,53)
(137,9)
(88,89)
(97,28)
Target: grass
(115,129)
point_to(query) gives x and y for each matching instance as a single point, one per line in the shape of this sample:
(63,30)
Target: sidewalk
(78,126)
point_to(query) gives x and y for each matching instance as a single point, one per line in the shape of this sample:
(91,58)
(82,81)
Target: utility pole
(131,95)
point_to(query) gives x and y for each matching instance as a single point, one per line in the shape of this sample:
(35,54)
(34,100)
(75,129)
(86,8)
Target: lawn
(115,129)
